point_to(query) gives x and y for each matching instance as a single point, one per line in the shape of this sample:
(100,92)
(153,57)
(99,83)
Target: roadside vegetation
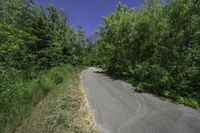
(156,48)
(38,51)
(64,109)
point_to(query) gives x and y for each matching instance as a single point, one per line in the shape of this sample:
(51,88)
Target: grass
(175,96)
(19,96)
(64,109)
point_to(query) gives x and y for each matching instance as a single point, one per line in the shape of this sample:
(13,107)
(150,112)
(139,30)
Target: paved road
(120,108)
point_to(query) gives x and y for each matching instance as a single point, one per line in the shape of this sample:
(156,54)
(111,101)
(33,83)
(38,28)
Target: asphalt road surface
(120,108)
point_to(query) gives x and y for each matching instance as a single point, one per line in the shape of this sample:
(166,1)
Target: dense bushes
(18,95)
(158,47)
(161,79)
(35,42)
(37,37)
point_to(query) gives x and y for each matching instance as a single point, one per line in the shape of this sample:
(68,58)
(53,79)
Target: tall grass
(18,95)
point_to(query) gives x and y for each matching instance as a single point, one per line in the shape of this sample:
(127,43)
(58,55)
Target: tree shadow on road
(127,78)
(123,78)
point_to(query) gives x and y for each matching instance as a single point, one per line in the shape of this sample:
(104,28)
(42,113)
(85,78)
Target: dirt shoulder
(65,109)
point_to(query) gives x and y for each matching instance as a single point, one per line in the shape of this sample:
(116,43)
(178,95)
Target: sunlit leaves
(158,46)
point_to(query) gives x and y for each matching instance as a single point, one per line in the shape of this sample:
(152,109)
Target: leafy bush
(158,46)
(18,95)
(34,41)
(152,78)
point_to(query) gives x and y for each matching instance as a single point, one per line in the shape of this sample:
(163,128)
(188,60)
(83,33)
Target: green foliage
(34,42)
(37,38)
(17,95)
(160,79)
(157,46)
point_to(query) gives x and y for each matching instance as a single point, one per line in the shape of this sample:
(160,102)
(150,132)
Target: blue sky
(88,13)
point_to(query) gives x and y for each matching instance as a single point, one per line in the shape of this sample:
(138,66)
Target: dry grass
(64,110)
(85,113)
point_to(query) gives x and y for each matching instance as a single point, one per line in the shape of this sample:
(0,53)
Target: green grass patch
(18,95)
(62,110)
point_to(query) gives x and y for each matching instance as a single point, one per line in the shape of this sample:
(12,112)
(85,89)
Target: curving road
(120,108)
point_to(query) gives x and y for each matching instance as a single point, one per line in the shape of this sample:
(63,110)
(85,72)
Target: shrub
(18,95)
(152,78)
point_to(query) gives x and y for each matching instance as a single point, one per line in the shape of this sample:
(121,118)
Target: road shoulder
(65,109)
